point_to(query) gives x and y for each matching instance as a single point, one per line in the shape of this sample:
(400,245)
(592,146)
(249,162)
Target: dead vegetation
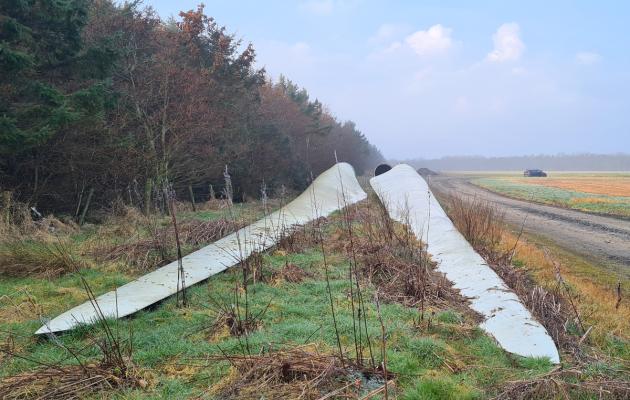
(158,247)
(41,259)
(63,382)
(381,254)
(483,226)
(113,369)
(481,222)
(396,263)
(233,318)
(554,307)
(35,248)
(291,273)
(302,238)
(16,222)
(19,306)
(299,372)
(566,384)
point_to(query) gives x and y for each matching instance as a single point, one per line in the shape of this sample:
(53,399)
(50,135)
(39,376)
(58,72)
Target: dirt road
(604,240)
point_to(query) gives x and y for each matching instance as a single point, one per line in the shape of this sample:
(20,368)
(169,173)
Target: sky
(426,79)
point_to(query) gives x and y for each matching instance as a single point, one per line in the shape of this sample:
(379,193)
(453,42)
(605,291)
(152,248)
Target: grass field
(440,356)
(602,193)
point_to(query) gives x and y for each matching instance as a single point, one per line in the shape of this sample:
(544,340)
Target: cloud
(587,58)
(508,45)
(436,39)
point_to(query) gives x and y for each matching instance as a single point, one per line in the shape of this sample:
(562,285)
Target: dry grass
(35,248)
(596,302)
(391,258)
(291,273)
(302,238)
(16,223)
(483,226)
(611,186)
(479,221)
(591,200)
(22,258)
(300,372)
(227,319)
(19,306)
(67,382)
(566,384)
(551,289)
(145,253)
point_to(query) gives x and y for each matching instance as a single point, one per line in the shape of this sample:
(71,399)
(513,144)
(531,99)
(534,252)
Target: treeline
(111,102)
(559,162)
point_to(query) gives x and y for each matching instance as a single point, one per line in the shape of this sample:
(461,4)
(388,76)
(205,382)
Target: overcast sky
(435,78)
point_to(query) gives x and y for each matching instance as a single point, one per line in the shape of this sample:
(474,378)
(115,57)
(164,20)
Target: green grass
(589,202)
(439,388)
(439,362)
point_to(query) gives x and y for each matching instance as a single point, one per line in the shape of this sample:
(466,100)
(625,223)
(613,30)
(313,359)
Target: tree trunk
(78,210)
(87,205)
(6,207)
(192,197)
(148,188)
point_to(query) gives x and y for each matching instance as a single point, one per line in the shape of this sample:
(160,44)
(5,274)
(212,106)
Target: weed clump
(291,273)
(158,248)
(296,373)
(42,259)
(568,384)
(481,222)
(64,382)
(391,258)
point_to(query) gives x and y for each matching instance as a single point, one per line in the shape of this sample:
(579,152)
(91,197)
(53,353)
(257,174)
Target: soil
(601,239)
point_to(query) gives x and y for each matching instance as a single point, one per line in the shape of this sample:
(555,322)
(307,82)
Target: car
(534,172)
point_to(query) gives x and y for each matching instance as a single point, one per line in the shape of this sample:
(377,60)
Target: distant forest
(106,101)
(560,162)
